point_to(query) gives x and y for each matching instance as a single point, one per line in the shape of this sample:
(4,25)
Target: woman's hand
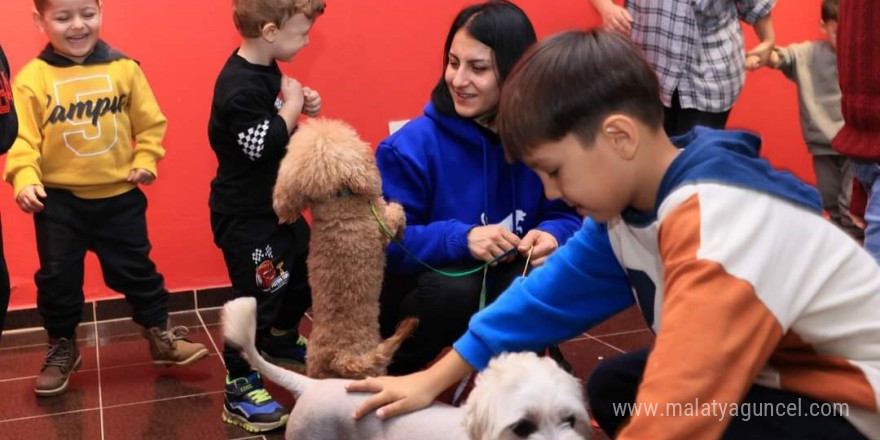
(489,242)
(544,242)
(616,19)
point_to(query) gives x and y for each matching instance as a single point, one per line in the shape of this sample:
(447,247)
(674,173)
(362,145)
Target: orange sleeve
(715,335)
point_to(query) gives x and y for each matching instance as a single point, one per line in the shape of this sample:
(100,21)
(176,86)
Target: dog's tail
(239,330)
(353,366)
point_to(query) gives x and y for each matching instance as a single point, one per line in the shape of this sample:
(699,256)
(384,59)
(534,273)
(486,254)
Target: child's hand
(29,199)
(544,242)
(292,92)
(141,176)
(311,102)
(393,395)
(759,56)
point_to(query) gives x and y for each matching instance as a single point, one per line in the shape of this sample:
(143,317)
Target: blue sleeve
(438,243)
(559,220)
(579,286)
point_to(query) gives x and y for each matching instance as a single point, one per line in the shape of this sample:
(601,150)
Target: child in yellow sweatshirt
(74,166)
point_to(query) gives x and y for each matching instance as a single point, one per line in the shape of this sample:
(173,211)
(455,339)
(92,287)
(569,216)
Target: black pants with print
(444,305)
(115,229)
(266,261)
(615,381)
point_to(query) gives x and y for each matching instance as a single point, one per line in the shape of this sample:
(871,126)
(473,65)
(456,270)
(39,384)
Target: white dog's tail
(239,329)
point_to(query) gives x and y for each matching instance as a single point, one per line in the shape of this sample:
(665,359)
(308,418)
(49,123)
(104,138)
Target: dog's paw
(396,217)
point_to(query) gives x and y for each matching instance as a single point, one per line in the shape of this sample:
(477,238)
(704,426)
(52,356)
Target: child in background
(812,66)
(80,103)
(253,113)
(8,132)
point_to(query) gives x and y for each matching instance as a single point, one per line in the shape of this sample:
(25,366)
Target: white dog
(519,396)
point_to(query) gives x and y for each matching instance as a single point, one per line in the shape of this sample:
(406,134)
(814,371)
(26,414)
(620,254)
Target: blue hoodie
(583,283)
(450,175)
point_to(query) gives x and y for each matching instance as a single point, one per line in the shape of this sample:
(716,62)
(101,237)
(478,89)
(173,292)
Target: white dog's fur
(519,396)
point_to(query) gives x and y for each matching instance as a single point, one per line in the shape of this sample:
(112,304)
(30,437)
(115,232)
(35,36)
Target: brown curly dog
(330,170)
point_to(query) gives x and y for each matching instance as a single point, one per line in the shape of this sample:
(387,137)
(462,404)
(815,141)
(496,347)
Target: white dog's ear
(476,418)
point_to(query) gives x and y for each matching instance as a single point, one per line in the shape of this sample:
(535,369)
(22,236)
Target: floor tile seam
(62,413)
(607,344)
(164,399)
(628,332)
(207,332)
(98,364)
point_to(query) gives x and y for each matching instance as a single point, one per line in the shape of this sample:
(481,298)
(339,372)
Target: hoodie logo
(508,222)
(91,114)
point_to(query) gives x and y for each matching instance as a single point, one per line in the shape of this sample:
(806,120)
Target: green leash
(484,267)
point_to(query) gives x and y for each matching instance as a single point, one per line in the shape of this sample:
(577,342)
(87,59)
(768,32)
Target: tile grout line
(111,407)
(628,332)
(164,399)
(205,326)
(98,364)
(89,370)
(607,344)
(64,413)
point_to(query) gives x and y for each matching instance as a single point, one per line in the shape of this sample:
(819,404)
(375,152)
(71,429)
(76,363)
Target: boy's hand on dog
(488,242)
(311,102)
(544,242)
(394,395)
(29,199)
(140,176)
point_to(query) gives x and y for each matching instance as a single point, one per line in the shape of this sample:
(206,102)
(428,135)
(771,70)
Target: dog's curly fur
(330,170)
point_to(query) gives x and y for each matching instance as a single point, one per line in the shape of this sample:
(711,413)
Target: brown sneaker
(170,347)
(62,359)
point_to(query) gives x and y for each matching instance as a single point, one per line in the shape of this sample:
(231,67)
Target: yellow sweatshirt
(77,123)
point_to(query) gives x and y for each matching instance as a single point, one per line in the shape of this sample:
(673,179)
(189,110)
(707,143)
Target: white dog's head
(523,396)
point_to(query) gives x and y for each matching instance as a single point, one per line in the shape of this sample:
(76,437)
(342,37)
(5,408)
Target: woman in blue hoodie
(465,203)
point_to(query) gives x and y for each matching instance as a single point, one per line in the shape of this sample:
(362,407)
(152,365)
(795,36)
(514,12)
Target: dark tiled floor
(119,394)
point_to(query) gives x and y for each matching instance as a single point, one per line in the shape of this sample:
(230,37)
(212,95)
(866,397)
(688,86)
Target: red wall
(373,62)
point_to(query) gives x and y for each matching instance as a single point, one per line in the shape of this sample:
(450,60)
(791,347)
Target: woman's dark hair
(499,24)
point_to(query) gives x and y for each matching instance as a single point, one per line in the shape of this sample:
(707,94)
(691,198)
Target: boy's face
(291,37)
(471,76)
(593,179)
(829,28)
(73,26)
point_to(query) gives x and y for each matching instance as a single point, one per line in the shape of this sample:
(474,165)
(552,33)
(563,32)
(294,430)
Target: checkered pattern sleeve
(259,135)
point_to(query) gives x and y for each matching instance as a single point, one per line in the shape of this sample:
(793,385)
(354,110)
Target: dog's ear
(363,178)
(288,198)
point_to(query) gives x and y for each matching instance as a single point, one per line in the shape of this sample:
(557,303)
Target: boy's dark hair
(251,15)
(569,84)
(499,24)
(829,9)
